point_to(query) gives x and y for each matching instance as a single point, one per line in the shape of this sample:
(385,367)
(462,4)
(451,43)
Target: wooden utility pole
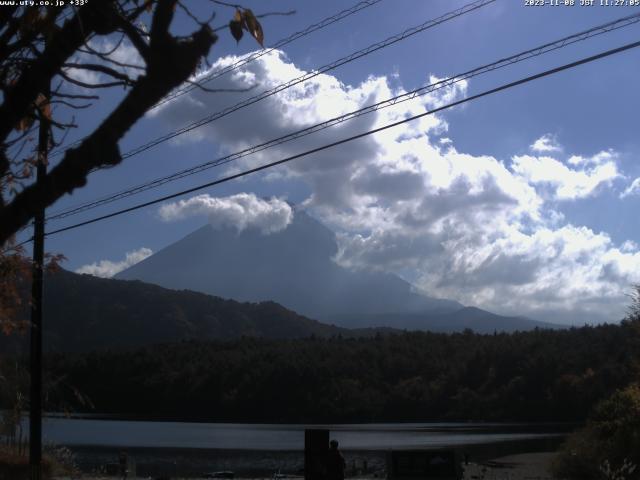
(35,399)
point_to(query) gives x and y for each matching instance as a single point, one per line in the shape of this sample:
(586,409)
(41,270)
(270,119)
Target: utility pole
(35,356)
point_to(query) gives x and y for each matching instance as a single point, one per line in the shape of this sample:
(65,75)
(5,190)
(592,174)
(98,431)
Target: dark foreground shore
(523,466)
(195,463)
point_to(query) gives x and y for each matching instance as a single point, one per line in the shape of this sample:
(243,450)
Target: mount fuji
(295,268)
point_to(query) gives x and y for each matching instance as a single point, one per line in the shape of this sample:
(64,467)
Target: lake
(258,450)
(235,436)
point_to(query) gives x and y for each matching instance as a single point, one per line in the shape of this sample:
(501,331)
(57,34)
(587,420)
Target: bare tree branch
(75,96)
(86,85)
(226,4)
(170,62)
(277,14)
(34,51)
(92,51)
(135,38)
(71,105)
(95,67)
(61,46)
(113,61)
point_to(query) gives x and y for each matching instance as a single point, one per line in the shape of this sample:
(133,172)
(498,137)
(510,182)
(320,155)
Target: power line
(254,56)
(525,55)
(355,137)
(279,44)
(309,75)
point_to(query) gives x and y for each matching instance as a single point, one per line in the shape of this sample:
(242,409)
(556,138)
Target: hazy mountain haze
(295,267)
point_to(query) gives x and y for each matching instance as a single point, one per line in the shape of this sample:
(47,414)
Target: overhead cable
(254,56)
(421,91)
(503,87)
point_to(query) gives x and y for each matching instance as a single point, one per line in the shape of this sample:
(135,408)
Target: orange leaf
(24,124)
(254,27)
(236,29)
(45,107)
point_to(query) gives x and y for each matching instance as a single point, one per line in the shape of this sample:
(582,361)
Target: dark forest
(541,375)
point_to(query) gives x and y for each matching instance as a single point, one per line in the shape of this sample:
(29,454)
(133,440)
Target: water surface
(236,436)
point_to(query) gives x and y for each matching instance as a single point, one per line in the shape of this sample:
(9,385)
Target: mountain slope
(293,267)
(85,313)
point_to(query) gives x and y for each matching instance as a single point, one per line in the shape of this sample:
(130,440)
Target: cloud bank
(239,211)
(475,228)
(108,268)
(578,178)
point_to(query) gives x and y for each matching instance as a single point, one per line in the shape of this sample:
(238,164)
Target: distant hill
(83,313)
(476,319)
(295,267)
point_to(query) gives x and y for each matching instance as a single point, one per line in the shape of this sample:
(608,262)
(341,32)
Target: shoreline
(521,466)
(194,463)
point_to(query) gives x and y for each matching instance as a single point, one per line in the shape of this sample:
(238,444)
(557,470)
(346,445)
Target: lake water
(256,451)
(143,434)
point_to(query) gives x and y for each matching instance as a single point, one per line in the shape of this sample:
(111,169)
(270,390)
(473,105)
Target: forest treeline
(542,375)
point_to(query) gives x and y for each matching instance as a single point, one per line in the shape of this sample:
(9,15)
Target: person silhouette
(335,462)
(123,463)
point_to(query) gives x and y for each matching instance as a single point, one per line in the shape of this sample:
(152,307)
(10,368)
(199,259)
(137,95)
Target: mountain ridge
(83,312)
(313,285)
(295,268)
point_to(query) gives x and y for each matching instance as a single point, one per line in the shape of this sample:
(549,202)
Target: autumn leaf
(253,26)
(25,123)
(236,29)
(44,106)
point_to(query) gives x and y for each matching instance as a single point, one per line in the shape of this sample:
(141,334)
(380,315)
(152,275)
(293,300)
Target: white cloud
(468,227)
(108,268)
(237,211)
(568,183)
(546,143)
(633,189)
(601,158)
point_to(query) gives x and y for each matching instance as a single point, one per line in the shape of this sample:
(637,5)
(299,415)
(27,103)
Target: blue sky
(515,202)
